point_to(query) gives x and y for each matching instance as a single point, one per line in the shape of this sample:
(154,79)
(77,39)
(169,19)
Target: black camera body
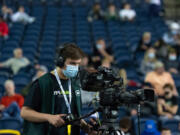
(112,91)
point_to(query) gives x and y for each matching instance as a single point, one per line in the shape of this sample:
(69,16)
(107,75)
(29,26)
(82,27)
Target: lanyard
(68,104)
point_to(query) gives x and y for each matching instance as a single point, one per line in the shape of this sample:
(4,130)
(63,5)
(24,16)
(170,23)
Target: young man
(55,95)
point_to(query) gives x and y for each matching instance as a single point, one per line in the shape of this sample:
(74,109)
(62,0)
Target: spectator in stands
(87,96)
(149,61)
(155,7)
(165,131)
(4,30)
(172,64)
(159,77)
(11,103)
(125,125)
(111,13)
(6,13)
(161,50)
(171,37)
(101,51)
(168,103)
(150,128)
(126,81)
(17,62)
(22,16)
(127,14)
(40,71)
(96,13)
(145,42)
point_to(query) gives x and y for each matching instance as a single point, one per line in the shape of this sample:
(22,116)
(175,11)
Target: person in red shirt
(11,103)
(4,30)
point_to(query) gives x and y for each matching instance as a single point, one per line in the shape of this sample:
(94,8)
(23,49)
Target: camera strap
(68,104)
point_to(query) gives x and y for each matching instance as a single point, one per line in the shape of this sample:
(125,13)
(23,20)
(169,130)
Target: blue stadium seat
(10,123)
(21,80)
(142,124)
(3,78)
(173,125)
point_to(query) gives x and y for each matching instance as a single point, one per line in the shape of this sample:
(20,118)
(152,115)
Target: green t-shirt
(34,101)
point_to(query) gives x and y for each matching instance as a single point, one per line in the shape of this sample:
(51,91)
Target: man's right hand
(56,120)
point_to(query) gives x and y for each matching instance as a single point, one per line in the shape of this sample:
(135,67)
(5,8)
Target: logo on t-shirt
(58,92)
(78,93)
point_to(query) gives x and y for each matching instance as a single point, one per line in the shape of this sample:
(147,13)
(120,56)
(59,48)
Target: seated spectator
(171,37)
(22,17)
(11,103)
(127,14)
(145,43)
(165,131)
(168,103)
(111,13)
(96,13)
(149,61)
(101,51)
(150,128)
(17,62)
(172,64)
(126,81)
(4,30)
(158,78)
(6,13)
(161,50)
(155,7)
(87,96)
(40,71)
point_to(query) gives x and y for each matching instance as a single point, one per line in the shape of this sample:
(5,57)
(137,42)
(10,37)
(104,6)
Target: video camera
(112,90)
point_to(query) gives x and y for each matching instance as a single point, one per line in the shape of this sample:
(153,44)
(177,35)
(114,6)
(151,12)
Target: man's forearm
(33,116)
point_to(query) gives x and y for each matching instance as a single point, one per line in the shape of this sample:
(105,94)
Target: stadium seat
(142,124)
(173,125)
(10,123)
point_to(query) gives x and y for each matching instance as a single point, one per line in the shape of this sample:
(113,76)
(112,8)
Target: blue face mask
(172,57)
(151,55)
(99,46)
(70,71)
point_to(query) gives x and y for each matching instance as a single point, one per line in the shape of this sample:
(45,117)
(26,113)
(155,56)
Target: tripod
(108,128)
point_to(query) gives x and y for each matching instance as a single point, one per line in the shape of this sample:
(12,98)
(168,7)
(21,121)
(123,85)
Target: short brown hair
(125,123)
(70,50)
(168,85)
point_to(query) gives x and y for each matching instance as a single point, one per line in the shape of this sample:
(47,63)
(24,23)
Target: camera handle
(139,115)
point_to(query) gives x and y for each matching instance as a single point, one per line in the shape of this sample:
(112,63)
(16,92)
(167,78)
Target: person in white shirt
(22,16)
(127,13)
(17,62)
(155,7)
(156,2)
